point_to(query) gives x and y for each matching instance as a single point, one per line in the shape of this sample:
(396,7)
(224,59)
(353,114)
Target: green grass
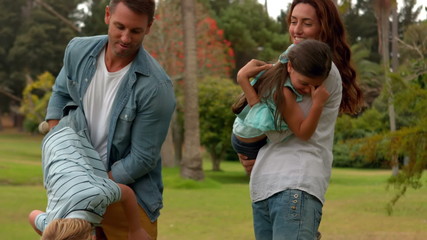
(219,207)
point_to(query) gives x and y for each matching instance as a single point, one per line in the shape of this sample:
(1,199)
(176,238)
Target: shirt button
(86,79)
(293,207)
(295,195)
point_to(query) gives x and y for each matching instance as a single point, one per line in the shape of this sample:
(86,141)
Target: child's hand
(252,68)
(138,234)
(319,95)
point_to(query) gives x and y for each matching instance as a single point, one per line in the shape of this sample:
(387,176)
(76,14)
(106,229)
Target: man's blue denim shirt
(140,115)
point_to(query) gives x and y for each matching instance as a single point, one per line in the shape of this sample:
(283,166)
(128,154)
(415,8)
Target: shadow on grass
(228,177)
(213,179)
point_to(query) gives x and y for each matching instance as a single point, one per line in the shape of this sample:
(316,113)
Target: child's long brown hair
(310,58)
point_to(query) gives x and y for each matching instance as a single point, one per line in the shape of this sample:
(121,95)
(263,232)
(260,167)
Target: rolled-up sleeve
(60,92)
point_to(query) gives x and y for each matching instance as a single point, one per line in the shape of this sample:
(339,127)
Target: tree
(252,32)
(165,43)
(94,22)
(35,99)
(369,73)
(382,9)
(33,41)
(216,96)
(191,166)
(409,142)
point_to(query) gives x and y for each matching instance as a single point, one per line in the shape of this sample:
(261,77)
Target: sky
(274,7)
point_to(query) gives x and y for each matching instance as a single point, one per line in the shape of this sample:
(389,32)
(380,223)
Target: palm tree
(191,165)
(382,10)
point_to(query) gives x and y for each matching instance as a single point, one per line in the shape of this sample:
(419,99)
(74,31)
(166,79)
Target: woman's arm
(130,207)
(304,127)
(251,69)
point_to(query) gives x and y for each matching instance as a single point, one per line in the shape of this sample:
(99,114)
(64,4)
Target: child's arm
(130,207)
(251,69)
(302,127)
(32,219)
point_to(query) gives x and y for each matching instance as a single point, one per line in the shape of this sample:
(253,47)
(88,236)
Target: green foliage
(252,32)
(35,99)
(371,122)
(374,144)
(369,73)
(360,22)
(214,53)
(414,44)
(94,23)
(216,96)
(32,41)
(410,142)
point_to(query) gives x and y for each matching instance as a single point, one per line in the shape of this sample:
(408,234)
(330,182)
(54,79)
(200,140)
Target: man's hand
(246,163)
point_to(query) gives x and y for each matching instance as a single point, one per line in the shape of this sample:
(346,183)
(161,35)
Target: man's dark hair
(146,7)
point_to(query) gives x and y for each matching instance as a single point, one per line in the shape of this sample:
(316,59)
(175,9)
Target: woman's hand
(252,68)
(246,163)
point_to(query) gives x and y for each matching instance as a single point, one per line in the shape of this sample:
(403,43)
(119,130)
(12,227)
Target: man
(127,100)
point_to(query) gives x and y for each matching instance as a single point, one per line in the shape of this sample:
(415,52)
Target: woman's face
(304,23)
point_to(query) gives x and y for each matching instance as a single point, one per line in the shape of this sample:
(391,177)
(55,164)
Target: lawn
(219,207)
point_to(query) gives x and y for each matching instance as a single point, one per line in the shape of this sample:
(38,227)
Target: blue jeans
(288,215)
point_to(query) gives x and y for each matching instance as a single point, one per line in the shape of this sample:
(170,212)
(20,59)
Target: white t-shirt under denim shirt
(298,164)
(97,103)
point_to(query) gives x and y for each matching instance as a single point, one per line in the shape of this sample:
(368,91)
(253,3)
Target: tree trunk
(216,162)
(168,150)
(191,166)
(1,120)
(178,139)
(394,67)
(394,37)
(382,8)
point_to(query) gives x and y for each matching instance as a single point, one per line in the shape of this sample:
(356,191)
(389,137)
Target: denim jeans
(288,215)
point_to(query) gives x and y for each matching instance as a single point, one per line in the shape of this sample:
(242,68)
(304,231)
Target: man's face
(126,30)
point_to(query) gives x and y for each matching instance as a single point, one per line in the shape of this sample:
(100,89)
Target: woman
(289,179)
